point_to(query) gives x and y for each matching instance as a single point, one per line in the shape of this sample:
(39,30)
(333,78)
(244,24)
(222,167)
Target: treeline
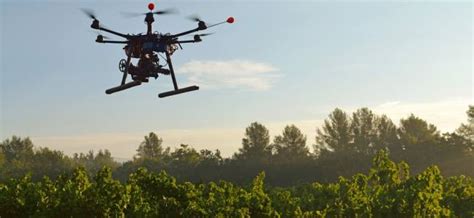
(344,146)
(387,190)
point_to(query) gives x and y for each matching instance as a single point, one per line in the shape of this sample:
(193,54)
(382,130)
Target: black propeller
(197,37)
(204,34)
(201,24)
(195,18)
(166,11)
(90,13)
(99,36)
(160,12)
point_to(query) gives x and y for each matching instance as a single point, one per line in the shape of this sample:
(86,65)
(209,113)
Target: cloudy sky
(281,62)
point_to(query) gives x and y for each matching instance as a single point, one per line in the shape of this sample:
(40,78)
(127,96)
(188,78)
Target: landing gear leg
(123,67)
(175,84)
(125,72)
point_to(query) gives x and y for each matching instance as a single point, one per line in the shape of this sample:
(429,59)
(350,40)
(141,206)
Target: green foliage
(345,146)
(335,133)
(39,182)
(364,129)
(16,148)
(387,190)
(467,130)
(51,163)
(284,203)
(364,132)
(72,192)
(107,197)
(414,131)
(93,162)
(291,145)
(17,153)
(459,195)
(256,144)
(150,148)
(185,156)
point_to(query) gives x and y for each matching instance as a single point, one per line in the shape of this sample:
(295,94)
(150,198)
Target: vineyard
(388,190)
(361,166)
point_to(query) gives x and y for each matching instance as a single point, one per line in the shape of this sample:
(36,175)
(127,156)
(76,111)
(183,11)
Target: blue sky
(297,61)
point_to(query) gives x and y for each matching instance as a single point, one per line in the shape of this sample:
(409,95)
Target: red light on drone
(151,6)
(230,20)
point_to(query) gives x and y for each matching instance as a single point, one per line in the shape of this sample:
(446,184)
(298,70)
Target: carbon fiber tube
(178,91)
(123,87)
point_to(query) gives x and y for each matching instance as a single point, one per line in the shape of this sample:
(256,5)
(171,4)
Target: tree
(185,157)
(420,142)
(372,132)
(18,153)
(2,160)
(16,148)
(387,137)
(335,133)
(94,162)
(467,130)
(209,158)
(415,131)
(365,133)
(49,163)
(256,144)
(151,147)
(291,145)
(364,130)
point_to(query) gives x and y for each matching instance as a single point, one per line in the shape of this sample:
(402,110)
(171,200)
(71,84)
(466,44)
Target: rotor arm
(185,33)
(115,33)
(201,26)
(95,25)
(197,38)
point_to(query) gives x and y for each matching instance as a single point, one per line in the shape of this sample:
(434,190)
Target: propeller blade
(160,12)
(166,11)
(89,12)
(194,18)
(205,34)
(131,14)
(197,37)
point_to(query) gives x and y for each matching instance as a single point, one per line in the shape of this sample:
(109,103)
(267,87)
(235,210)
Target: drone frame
(168,39)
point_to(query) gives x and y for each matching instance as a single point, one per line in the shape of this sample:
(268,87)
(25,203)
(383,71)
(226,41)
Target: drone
(147,47)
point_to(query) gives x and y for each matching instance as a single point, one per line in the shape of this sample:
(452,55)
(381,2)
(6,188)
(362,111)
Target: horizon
(175,137)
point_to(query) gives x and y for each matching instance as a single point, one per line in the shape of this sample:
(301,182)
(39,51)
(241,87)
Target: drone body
(146,47)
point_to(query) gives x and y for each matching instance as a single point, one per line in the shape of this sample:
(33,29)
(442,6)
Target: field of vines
(386,191)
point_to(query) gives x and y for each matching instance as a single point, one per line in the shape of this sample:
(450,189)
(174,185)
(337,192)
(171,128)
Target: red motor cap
(151,6)
(230,20)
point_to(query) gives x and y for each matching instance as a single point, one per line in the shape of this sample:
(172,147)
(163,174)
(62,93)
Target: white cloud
(230,74)
(447,115)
